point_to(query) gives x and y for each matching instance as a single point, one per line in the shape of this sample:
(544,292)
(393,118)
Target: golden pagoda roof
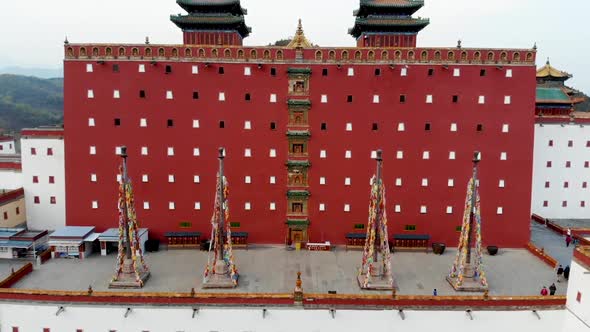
(549,71)
(299,40)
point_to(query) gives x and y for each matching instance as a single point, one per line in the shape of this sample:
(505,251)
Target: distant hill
(30,102)
(37,72)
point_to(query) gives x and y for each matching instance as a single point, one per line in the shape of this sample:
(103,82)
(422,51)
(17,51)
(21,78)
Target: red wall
(264,226)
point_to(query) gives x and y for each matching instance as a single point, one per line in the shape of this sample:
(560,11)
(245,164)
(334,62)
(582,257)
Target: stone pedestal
(377,282)
(221,278)
(470,284)
(127,277)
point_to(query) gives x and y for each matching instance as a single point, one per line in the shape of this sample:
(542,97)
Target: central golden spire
(299,40)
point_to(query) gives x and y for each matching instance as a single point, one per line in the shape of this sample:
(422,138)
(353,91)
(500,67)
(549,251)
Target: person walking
(559,273)
(544,291)
(435,292)
(552,289)
(569,231)
(568,240)
(566,273)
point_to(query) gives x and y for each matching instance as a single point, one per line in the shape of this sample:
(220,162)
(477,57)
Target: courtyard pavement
(553,243)
(6,266)
(274,270)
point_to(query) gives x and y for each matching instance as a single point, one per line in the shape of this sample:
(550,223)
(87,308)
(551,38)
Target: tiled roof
(393,3)
(553,96)
(208,21)
(549,71)
(207,2)
(232,6)
(387,23)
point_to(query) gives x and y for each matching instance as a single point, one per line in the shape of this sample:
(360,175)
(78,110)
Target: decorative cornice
(299,102)
(298,163)
(306,71)
(298,193)
(298,133)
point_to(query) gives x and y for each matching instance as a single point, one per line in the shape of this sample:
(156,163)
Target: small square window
(324,99)
(547,184)
(272,206)
(247,206)
(95,204)
(349,127)
(426,155)
(568,164)
(36,200)
(196,124)
(273,126)
(481,100)
(449,210)
(247,125)
(564,204)
(324,126)
(52,200)
(501,184)
(349,99)
(143,123)
(423,209)
(273,71)
(273,98)
(500,210)
(93,150)
(455,99)
(322,207)
(397,209)
(545,203)
(551,143)
(404,71)
(170,123)
(222,96)
(272,153)
(324,71)
(430,71)
(429,99)
(503,156)
(170,151)
(401,126)
(322,180)
(482,72)
(346,207)
(505,128)
(170,178)
(376,99)
(195,94)
(427,127)
(247,153)
(247,97)
(168,69)
(196,152)
(90,94)
(375,127)
(507,100)
(272,180)
(424,182)
(566,184)
(117,122)
(451,183)
(144,151)
(116,94)
(348,154)
(93,178)
(195,70)
(146,205)
(400,155)
(479,127)
(402,99)
(570,144)
(456,72)
(377,71)
(549,164)
(141,68)
(91,122)
(398,182)
(51,179)
(171,206)
(347,181)
(169,95)
(247,179)
(196,179)
(247,71)
(584,184)
(508,72)
(373,154)
(145,178)
(350,71)
(582,203)
(579,297)
(586,164)
(89,68)
(141,93)
(50,151)
(35,179)
(453,127)
(221,70)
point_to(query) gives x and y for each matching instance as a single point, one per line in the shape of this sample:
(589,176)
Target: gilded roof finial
(299,40)
(66,41)
(459,43)
(548,63)
(535,46)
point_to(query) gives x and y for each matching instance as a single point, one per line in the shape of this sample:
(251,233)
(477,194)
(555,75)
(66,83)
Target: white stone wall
(7,147)
(558,174)
(44,215)
(11,179)
(166,319)
(579,282)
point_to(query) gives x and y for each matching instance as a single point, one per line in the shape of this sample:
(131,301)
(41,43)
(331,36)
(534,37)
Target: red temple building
(300,125)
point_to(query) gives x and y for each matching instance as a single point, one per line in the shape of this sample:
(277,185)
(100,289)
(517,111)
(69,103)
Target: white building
(43,172)
(561,171)
(7,145)
(10,172)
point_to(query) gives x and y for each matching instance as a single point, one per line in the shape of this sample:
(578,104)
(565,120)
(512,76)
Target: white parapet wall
(561,167)
(36,317)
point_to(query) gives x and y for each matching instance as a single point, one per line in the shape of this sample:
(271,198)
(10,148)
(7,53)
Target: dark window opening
(221,124)
(480,127)
(115,68)
(325,72)
(221,70)
(168,69)
(458,229)
(273,72)
(170,123)
(247,97)
(117,122)
(482,72)
(273,126)
(455,99)
(410,227)
(349,99)
(141,93)
(402,98)
(375,127)
(430,71)
(195,94)
(377,71)
(427,127)
(324,126)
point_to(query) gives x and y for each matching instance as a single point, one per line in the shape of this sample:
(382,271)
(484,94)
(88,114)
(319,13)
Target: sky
(33,31)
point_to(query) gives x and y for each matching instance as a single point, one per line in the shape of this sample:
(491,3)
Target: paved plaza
(553,243)
(572,223)
(274,270)
(7,265)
